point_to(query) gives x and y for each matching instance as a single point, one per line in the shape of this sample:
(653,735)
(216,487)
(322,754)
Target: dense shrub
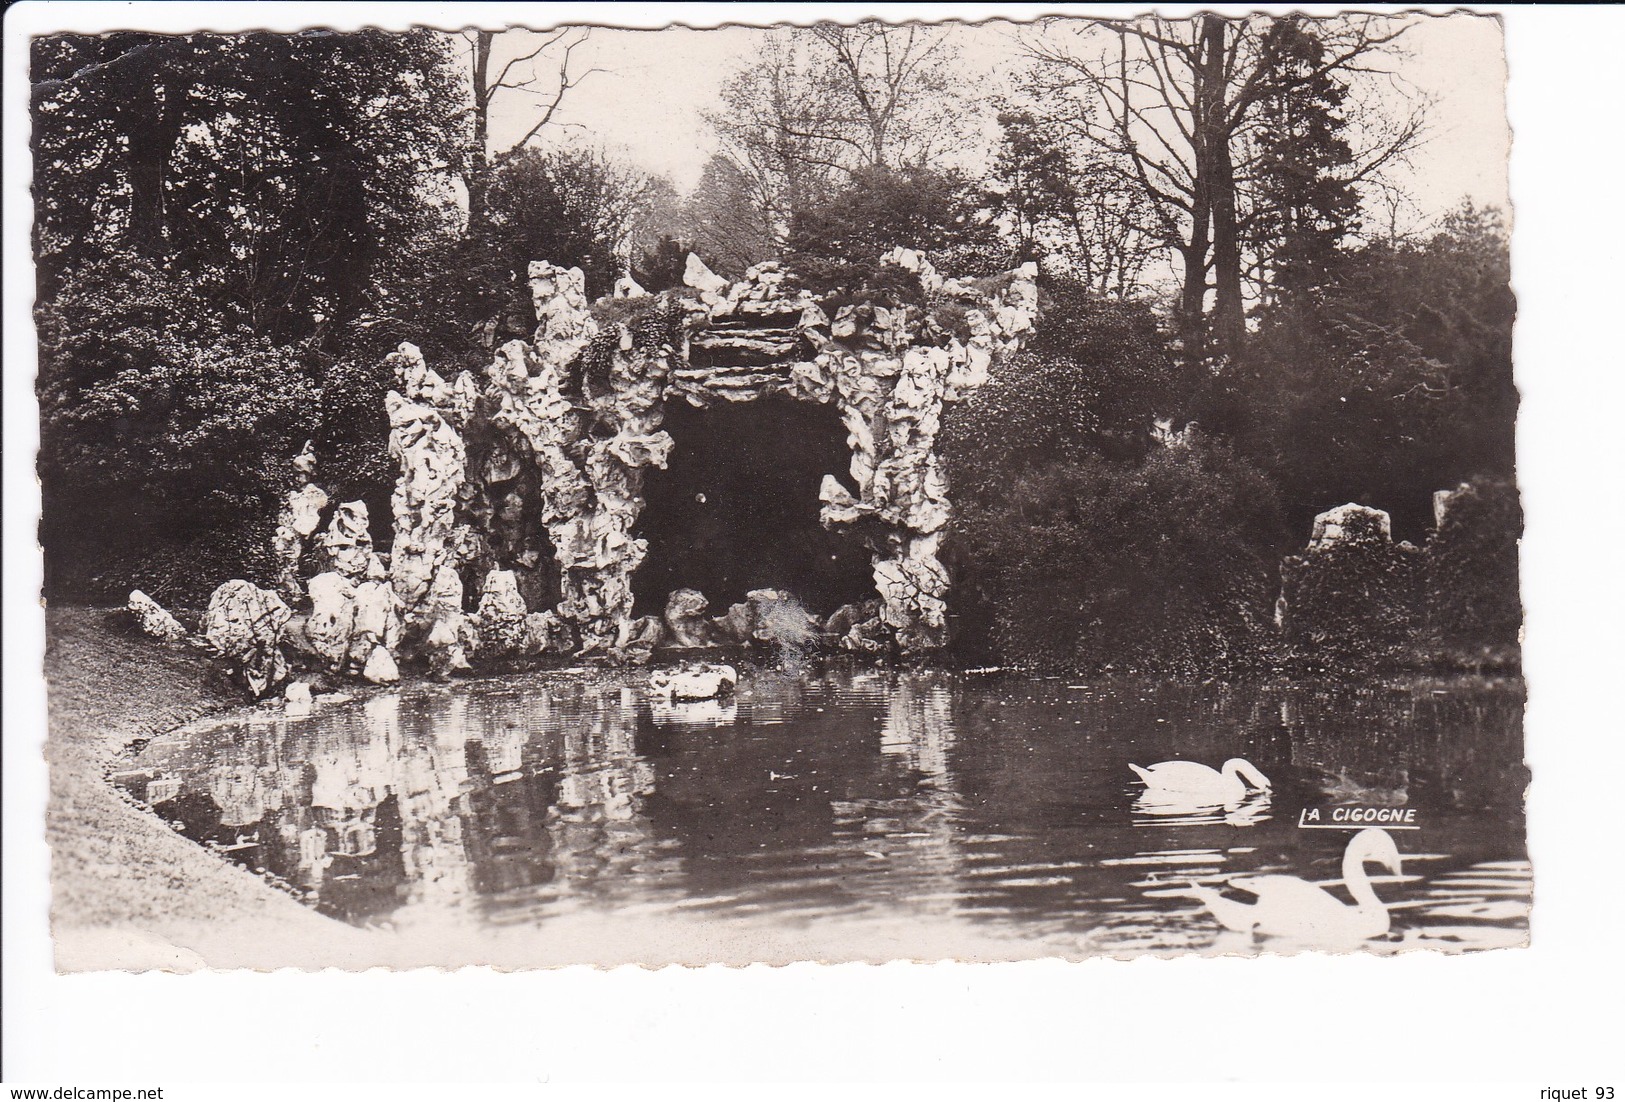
(1094,564)
(352,434)
(1352,605)
(1392,383)
(1093,380)
(165,435)
(1472,569)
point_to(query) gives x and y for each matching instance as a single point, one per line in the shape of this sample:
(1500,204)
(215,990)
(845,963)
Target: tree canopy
(232,230)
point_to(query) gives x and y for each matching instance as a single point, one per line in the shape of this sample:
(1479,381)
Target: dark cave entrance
(736,508)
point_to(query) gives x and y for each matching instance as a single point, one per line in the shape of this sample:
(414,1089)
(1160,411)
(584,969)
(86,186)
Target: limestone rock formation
(1471,564)
(243,626)
(543,455)
(154,619)
(377,620)
(1352,524)
(380,668)
(332,617)
(450,635)
(298,520)
(640,638)
(346,546)
(889,370)
(502,618)
(297,700)
(694,681)
(859,628)
(768,616)
(545,633)
(350,622)
(1442,500)
(304,510)
(425,417)
(685,622)
(701,278)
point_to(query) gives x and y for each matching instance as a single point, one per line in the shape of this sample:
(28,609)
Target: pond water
(915,803)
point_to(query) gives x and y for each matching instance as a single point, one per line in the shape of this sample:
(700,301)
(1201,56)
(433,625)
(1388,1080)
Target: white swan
(1290,907)
(1225,785)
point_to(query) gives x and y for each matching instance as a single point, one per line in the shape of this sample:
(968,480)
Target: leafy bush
(1091,381)
(1351,606)
(165,436)
(1472,568)
(1161,564)
(1393,383)
(352,434)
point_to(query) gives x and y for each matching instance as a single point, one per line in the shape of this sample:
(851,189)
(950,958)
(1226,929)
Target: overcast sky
(649,101)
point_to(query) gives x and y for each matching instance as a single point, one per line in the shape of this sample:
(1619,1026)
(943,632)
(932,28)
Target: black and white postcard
(531,493)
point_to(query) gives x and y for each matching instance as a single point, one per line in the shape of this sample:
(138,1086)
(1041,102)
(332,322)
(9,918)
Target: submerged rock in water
(154,619)
(694,681)
(244,626)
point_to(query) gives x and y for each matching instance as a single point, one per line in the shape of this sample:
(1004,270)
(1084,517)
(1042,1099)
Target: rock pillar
(425,419)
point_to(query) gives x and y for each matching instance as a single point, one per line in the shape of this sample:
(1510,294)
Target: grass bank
(128,892)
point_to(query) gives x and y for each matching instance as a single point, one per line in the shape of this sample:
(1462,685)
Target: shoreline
(127,892)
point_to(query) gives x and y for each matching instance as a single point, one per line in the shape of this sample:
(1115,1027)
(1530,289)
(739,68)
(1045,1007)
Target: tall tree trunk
(155,118)
(478,164)
(1229,325)
(1192,319)
(1207,138)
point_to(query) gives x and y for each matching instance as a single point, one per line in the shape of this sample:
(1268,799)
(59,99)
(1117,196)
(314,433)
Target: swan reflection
(1155,807)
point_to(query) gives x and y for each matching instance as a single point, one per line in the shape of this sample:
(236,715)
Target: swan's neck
(1247,775)
(1359,884)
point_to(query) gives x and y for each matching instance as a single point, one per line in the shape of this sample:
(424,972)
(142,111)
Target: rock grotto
(527,482)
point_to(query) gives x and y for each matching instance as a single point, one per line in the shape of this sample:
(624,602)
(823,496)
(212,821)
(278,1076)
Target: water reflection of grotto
(407,806)
(814,794)
(410,806)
